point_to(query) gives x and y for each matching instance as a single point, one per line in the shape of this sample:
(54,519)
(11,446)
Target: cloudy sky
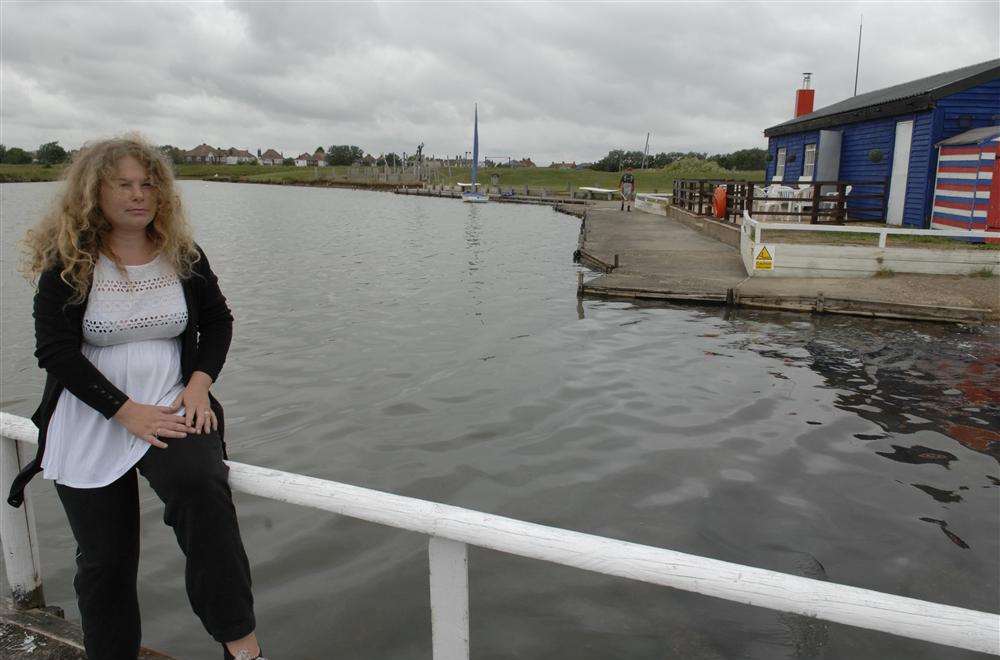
(554,81)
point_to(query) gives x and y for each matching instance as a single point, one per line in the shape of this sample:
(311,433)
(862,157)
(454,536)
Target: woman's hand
(148,422)
(197,409)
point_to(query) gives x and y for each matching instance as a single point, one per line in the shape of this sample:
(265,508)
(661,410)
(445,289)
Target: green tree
(51,153)
(175,154)
(744,159)
(17,156)
(3,153)
(344,154)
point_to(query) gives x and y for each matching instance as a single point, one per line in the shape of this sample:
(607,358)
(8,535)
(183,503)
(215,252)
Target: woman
(133,330)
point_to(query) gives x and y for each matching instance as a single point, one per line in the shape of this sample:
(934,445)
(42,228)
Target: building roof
(912,96)
(271,154)
(304,156)
(201,150)
(975,136)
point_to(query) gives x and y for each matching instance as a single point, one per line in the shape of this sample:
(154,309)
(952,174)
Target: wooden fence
(819,202)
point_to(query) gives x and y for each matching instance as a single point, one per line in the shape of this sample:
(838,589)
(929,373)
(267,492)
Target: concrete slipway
(685,258)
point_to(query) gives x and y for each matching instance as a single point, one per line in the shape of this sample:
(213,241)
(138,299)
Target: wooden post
(579,283)
(730,209)
(449,564)
(814,216)
(17,530)
(616,261)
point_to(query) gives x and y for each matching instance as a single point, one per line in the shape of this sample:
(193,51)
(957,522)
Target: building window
(779,164)
(809,162)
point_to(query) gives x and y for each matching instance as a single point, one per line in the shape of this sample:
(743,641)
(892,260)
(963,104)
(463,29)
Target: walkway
(658,258)
(669,258)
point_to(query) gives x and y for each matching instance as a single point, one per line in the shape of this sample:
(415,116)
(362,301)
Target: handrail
(882,232)
(452,528)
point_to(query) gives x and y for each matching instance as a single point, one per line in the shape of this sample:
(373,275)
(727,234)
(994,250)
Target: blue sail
(475,149)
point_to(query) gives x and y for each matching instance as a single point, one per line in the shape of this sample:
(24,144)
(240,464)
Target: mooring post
(17,533)
(449,564)
(579,283)
(616,261)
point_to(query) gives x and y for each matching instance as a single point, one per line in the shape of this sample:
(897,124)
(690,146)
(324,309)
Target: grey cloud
(554,81)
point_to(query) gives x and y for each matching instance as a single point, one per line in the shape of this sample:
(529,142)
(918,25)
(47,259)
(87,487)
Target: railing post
(817,196)
(17,533)
(449,564)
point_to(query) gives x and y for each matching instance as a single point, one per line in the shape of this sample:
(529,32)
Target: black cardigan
(59,334)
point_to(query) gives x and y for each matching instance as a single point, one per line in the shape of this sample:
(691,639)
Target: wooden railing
(817,202)
(452,529)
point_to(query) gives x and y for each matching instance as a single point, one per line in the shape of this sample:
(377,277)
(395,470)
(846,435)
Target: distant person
(133,330)
(627,189)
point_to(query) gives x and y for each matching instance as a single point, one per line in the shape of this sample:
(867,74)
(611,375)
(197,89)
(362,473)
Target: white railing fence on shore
(883,232)
(452,529)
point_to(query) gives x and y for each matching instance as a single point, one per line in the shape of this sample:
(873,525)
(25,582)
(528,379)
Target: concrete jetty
(657,259)
(44,633)
(685,258)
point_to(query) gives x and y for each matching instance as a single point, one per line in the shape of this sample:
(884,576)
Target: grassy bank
(554,180)
(16,173)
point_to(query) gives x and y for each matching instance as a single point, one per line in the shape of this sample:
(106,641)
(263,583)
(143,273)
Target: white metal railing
(452,529)
(757,226)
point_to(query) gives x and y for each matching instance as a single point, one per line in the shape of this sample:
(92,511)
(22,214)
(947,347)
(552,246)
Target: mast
(857,65)
(475,149)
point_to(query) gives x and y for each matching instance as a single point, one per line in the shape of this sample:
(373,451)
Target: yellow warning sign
(763,259)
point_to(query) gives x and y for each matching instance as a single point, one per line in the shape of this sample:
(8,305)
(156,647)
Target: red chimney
(804,97)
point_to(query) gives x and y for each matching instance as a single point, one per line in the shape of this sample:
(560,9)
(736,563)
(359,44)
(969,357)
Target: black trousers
(191,479)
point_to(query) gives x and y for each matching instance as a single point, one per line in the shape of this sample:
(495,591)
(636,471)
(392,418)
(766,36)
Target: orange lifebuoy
(719,202)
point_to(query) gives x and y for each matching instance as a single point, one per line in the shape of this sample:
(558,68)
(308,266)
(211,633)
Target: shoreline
(683,258)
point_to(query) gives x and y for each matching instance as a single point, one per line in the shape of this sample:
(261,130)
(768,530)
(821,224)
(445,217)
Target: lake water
(437,350)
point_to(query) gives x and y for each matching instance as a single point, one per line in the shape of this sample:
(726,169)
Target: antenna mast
(857,65)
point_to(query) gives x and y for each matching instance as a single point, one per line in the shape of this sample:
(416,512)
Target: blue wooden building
(888,135)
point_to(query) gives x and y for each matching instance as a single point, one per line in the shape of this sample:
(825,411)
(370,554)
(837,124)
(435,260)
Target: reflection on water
(936,378)
(437,350)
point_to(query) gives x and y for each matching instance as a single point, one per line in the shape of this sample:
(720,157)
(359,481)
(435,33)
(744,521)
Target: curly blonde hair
(75,232)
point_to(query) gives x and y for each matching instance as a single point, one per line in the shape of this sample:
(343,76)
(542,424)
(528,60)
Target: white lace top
(131,333)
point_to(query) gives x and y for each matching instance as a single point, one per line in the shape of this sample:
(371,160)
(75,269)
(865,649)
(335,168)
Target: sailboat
(474,196)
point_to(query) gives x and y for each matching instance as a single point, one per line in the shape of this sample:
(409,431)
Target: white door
(900,166)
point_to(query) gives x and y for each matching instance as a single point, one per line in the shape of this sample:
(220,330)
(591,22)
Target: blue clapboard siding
(856,166)
(920,178)
(794,144)
(971,108)
(975,107)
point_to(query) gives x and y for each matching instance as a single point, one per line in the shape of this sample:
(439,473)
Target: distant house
(304,160)
(563,166)
(319,158)
(203,153)
(234,156)
(889,135)
(271,157)
(524,162)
